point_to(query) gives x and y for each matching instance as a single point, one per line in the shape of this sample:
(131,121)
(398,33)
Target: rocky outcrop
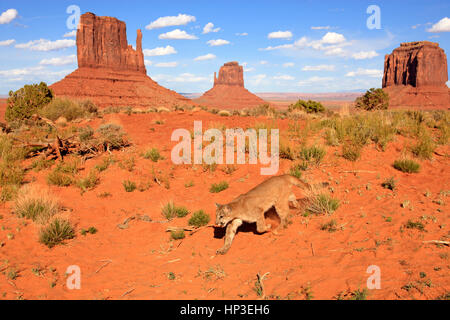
(415,75)
(229,91)
(110,72)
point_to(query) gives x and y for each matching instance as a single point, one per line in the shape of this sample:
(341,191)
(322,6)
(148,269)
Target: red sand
(299,257)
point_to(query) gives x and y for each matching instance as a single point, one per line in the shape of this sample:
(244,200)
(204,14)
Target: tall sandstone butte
(229,91)
(110,72)
(415,75)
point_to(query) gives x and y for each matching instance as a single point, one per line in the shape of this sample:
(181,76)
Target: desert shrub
(415,225)
(129,186)
(312,154)
(330,226)
(25,102)
(374,99)
(351,151)
(9,192)
(424,148)
(170,211)
(35,204)
(89,107)
(90,230)
(41,164)
(322,203)
(62,107)
(177,235)
(219,187)
(106,162)
(390,184)
(89,182)
(112,136)
(199,219)
(309,106)
(331,137)
(11,173)
(153,155)
(296,171)
(128,163)
(263,110)
(407,165)
(56,232)
(85,134)
(60,179)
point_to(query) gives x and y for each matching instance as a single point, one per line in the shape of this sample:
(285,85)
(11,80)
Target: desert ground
(132,256)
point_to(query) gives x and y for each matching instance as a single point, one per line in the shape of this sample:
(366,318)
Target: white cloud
(209,27)
(284,77)
(8,16)
(321,28)
(321,67)
(442,26)
(333,38)
(288,65)
(148,63)
(160,51)
(7,42)
(283,46)
(170,21)
(263,62)
(218,42)
(46,45)
(177,34)
(29,74)
(258,79)
(280,35)
(375,73)
(208,56)
(243,34)
(314,80)
(334,52)
(61,61)
(249,69)
(365,55)
(167,64)
(70,34)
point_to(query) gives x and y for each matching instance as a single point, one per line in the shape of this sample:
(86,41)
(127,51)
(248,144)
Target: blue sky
(285,46)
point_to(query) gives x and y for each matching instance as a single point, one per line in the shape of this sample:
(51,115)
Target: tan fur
(250,207)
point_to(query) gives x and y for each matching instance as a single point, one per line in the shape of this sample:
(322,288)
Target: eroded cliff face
(415,75)
(110,72)
(229,91)
(102,43)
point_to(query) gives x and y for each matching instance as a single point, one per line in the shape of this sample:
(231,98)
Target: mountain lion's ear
(218,206)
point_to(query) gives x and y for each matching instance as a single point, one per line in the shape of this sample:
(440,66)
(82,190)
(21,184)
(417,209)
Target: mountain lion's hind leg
(231,232)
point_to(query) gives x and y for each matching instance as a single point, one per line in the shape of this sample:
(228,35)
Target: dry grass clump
(407,166)
(36,204)
(320,202)
(56,232)
(69,109)
(170,211)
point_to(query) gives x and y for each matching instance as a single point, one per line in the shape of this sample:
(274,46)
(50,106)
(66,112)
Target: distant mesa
(229,91)
(415,75)
(110,72)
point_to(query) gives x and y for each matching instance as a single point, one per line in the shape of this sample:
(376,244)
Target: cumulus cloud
(46,45)
(148,63)
(5,43)
(170,21)
(321,67)
(205,57)
(60,61)
(258,79)
(333,38)
(177,34)
(442,26)
(283,46)
(365,55)
(218,42)
(167,64)
(209,27)
(8,16)
(159,51)
(321,28)
(280,35)
(70,34)
(375,73)
(29,74)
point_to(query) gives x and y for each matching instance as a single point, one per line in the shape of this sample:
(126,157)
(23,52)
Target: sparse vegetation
(153,155)
(129,186)
(415,225)
(199,219)
(170,211)
(35,204)
(219,187)
(177,235)
(322,203)
(68,109)
(312,154)
(89,182)
(390,184)
(374,99)
(330,226)
(56,232)
(309,106)
(407,165)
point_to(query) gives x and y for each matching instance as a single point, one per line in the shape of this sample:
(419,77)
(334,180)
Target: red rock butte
(229,91)
(110,72)
(415,75)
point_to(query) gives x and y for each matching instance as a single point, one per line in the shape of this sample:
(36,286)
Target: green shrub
(424,148)
(91,230)
(374,99)
(62,107)
(153,154)
(170,211)
(263,110)
(27,101)
(219,187)
(322,203)
(351,151)
(129,186)
(112,136)
(56,232)
(86,134)
(199,219)
(60,179)
(296,171)
(415,225)
(177,235)
(89,182)
(407,165)
(309,106)
(313,154)
(35,204)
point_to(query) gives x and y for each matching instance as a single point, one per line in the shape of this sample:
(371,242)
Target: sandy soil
(135,263)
